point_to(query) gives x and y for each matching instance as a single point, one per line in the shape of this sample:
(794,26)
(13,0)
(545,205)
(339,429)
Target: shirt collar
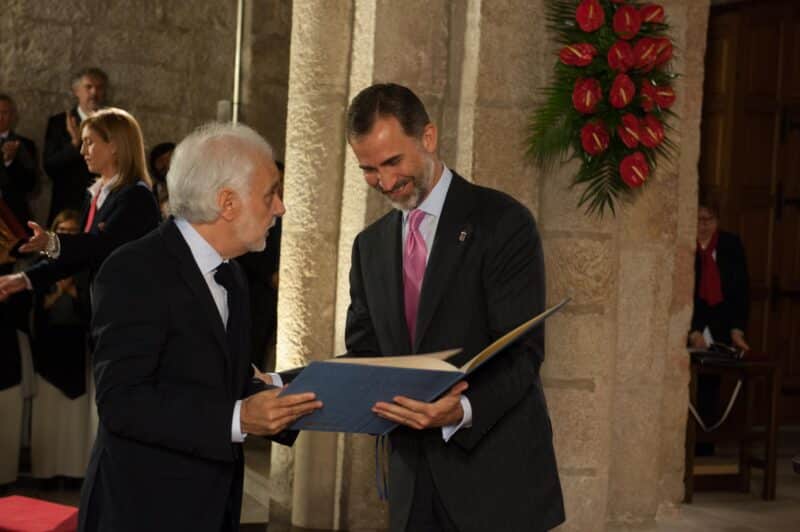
(98,188)
(434,203)
(204,254)
(83,116)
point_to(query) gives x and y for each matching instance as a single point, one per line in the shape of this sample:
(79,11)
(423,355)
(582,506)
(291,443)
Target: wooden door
(751,155)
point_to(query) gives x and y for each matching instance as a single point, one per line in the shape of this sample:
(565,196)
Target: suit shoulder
(729,238)
(58,118)
(144,255)
(23,139)
(497,200)
(379,227)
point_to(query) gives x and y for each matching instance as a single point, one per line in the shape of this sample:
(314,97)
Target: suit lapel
(452,238)
(194,279)
(390,270)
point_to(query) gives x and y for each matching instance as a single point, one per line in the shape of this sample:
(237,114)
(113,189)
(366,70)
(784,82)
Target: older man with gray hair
(175,392)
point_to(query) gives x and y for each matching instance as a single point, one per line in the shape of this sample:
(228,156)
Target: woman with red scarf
(721,301)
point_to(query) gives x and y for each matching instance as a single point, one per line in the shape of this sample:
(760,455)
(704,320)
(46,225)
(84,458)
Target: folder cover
(349,386)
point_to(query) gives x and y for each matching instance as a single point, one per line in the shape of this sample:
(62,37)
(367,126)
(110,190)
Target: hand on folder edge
(420,415)
(266,414)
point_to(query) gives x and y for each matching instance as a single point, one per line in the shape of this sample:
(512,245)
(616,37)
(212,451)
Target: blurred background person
(18,171)
(721,302)
(63,160)
(14,385)
(160,158)
(121,209)
(61,407)
(721,299)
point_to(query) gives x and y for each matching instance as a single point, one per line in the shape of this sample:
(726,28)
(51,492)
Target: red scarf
(710,284)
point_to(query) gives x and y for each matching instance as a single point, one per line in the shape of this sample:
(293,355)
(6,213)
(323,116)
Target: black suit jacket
(128,213)
(733,311)
(65,166)
(166,387)
(19,178)
(485,276)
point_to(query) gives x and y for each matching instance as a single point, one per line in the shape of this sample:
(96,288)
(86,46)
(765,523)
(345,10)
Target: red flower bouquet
(610,97)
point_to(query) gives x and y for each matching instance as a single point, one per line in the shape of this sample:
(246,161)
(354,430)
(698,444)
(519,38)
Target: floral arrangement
(609,98)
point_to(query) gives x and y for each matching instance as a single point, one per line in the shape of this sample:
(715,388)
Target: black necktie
(225,276)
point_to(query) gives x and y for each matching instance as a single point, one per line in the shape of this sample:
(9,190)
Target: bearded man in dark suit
(175,390)
(453,265)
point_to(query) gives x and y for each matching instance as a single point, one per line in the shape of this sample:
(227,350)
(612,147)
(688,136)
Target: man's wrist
(53,248)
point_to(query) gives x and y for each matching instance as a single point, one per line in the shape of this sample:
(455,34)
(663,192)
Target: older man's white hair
(213,157)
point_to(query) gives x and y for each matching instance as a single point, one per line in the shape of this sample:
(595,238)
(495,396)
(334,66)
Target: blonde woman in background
(121,207)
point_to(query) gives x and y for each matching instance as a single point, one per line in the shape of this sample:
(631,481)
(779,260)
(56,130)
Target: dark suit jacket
(19,178)
(500,474)
(65,166)
(166,387)
(128,213)
(733,311)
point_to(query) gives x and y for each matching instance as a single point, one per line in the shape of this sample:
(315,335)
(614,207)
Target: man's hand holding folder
(421,415)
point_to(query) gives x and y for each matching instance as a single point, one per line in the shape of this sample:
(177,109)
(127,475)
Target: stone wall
(169,63)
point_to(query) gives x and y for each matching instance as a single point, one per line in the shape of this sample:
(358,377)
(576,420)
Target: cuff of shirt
(276,379)
(27,280)
(237,436)
(466,420)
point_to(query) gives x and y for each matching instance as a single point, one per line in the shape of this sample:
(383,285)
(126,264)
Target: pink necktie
(414,256)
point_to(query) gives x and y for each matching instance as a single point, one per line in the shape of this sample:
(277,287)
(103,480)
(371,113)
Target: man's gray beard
(422,187)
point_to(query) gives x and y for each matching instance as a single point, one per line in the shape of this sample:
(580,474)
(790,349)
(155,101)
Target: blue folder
(349,387)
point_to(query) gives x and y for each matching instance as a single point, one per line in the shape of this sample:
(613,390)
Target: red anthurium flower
(622,91)
(590,15)
(647,93)
(664,96)
(663,50)
(652,13)
(628,130)
(620,56)
(594,138)
(634,169)
(627,22)
(586,95)
(645,52)
(578,54)
(652,132)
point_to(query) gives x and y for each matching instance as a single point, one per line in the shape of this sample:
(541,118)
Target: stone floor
(710,511)
(742,512)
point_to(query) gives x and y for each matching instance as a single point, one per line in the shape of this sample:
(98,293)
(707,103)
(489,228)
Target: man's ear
(229,204)
(430,138)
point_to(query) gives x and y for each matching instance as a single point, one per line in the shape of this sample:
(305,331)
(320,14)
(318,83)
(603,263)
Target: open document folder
(349,386)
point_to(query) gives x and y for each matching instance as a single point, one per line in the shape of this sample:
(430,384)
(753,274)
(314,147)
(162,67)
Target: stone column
(265,69)
(304,478)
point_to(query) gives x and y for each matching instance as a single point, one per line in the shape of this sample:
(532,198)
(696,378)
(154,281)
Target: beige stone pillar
(265,69)
(304,478)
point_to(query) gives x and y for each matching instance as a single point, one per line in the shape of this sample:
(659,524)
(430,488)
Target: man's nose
(385,181)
